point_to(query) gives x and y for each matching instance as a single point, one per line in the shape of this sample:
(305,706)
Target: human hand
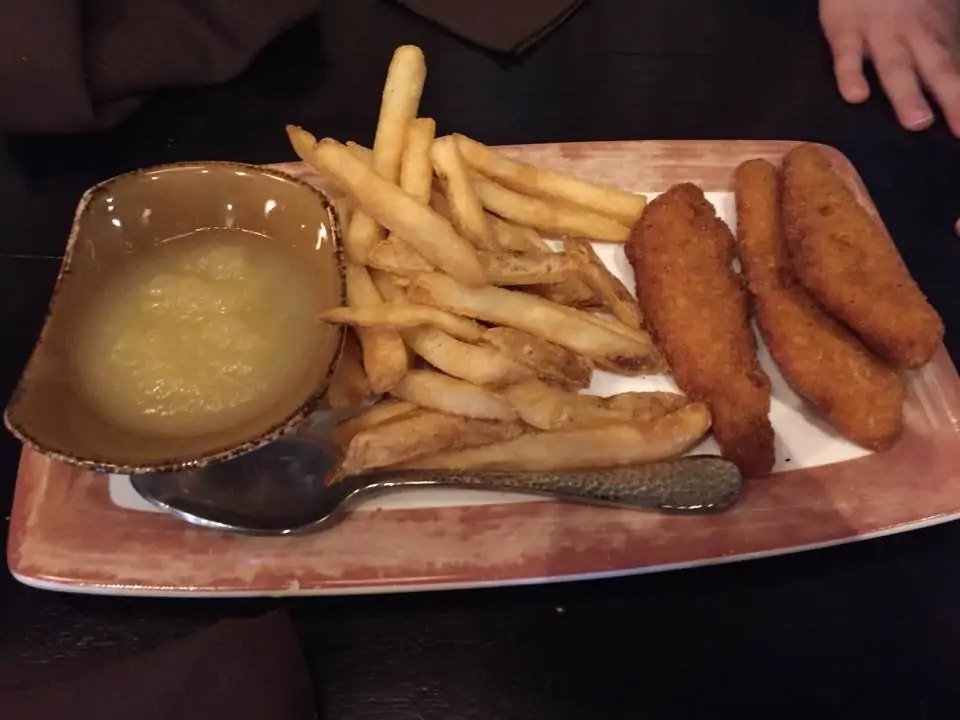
(912,44)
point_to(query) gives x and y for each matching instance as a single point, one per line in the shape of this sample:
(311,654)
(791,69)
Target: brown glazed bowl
(114,222)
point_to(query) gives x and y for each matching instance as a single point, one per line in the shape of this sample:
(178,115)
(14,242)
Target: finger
(939,74)
(847,46)
(899,80)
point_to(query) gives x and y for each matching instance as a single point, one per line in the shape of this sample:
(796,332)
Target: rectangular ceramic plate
(72,530)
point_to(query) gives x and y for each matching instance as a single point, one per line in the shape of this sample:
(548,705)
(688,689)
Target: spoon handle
(692,484)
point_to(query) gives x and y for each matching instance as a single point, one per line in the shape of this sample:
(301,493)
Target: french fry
(349,385)
(398,106)
(395,255)
(612,202)
(361,233)
(437,391)
(432,236)
(550,408)
(603,283)
(423,432)
(552,363)
(627,349)
(397,317)
(516,238)
(344,209)
(646,405)
(385,358)
(547,215)
(531,269)
(572,292)
(379,414)
(360,152)
(465,208)
(607,446)
(416,170)
(477,364)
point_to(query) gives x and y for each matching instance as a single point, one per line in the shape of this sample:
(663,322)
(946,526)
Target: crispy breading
(849,265)
(696,307)
(860,395)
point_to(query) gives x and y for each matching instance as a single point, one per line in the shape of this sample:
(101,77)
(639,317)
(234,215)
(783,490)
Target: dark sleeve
(79,65)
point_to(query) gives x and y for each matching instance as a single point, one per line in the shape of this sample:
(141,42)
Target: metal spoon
(280,489)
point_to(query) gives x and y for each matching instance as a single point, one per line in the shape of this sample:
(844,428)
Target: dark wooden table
(871,629)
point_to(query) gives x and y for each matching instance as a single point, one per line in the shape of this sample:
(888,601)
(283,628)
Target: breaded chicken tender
(860,395)
(696,307)
(850,266)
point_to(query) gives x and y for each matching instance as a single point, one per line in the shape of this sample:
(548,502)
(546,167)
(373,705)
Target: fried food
(548,215)
(821,359)
(528,269)
(696,308)
(383,412)
(603,283)
(385,358)
(398,316)
(629,350)
(465,209)
(565,188)
(629,443)
(437,391)
(418,434)
(846,261)
(349,385)
(547,407)
(550,362)
(432,236)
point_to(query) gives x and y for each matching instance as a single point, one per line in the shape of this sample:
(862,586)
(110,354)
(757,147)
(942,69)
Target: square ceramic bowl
(115,222)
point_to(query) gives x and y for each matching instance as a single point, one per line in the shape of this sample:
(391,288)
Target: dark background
(871,629)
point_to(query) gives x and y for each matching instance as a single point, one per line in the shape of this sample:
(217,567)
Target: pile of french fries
(476,331)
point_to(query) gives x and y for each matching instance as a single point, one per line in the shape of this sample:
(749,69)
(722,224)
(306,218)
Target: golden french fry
(612,202)
(572,292)
(646,405)
(432,236)
(552,363)
(465,208)
(607,446)
(360,152)
(604,284)
(422,432)
(349,385)
(398,106)
(396,255)
(516,238)
(362,233)
(532,269)
(477,364)
(547,215)
(385,357)
(397,317)
(344,209)
(627,349)
(383,412)
(550,408)
(416,170)
(437,391)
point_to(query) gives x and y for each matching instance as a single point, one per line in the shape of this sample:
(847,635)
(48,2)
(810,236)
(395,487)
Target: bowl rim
(265,437)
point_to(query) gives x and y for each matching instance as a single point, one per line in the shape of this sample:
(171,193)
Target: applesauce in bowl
(183,324)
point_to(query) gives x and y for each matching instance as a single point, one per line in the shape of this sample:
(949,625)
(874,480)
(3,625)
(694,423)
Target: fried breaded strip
(850,266)
(822,361)
(696,308)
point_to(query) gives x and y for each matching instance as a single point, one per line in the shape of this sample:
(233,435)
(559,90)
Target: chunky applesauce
(198,334)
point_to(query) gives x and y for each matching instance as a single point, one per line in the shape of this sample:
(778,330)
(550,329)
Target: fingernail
(918,120)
